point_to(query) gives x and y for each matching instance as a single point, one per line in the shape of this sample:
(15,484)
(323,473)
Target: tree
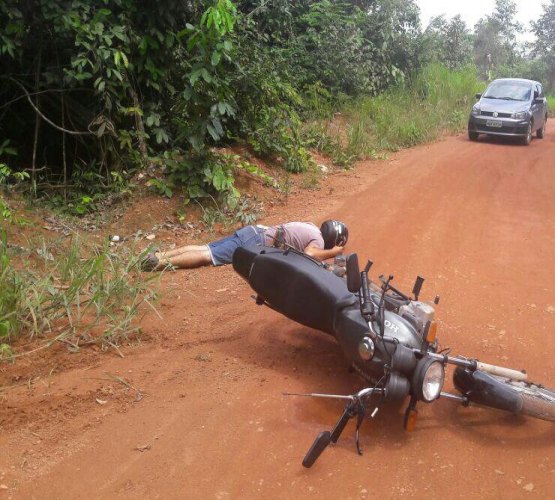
(544,46)
(504,17)
(495,42)
(448,42)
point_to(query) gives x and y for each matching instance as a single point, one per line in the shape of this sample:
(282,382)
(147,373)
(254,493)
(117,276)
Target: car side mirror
(538,100)
(478,96)
(354,281)
(536,94)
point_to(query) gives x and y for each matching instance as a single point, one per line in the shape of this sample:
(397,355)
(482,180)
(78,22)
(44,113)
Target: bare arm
(321,254)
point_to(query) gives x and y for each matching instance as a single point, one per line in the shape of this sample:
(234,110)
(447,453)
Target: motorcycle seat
(294,285)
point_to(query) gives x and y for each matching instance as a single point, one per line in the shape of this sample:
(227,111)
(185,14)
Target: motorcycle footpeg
(319,445)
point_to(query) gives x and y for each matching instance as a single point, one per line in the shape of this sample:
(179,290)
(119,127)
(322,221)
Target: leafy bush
(107,87)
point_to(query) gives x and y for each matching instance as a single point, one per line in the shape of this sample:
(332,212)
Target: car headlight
(428,379)
(521,115)
(476,110)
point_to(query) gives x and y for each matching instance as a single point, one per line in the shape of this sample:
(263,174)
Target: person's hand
(337,249)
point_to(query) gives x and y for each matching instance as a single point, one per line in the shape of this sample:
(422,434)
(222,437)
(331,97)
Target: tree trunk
(140,128)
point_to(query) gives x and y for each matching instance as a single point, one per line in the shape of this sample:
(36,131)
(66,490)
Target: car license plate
(494,123)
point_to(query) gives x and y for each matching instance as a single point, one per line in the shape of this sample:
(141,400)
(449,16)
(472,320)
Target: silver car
(509,107)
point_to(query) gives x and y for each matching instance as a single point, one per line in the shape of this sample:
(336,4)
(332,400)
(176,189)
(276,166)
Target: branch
(47,120)
(261,6)
(46,91)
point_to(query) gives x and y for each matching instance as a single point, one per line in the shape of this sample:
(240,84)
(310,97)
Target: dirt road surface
(197,411)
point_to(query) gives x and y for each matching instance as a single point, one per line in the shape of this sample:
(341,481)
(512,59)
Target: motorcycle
(388,337)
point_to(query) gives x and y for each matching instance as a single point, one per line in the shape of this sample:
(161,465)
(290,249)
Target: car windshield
(510,91)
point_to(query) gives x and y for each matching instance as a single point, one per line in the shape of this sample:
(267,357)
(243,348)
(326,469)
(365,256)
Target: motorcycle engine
(417,313)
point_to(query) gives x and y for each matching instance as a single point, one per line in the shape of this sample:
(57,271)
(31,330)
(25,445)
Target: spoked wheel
(537,401)
(519,397)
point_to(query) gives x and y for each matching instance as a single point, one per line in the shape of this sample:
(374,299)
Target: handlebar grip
(501,372)
(367,305)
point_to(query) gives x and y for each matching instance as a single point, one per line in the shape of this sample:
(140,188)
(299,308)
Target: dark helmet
(335,233)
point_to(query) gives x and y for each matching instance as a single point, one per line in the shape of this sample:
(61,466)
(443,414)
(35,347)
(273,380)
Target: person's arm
(321,254)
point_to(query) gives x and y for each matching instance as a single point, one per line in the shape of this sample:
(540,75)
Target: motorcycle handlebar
(367,306)
(501,371)
(474,364)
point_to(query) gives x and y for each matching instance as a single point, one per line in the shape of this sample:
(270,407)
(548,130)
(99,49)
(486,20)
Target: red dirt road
(476,219)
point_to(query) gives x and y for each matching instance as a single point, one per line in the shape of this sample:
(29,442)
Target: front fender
(484,389)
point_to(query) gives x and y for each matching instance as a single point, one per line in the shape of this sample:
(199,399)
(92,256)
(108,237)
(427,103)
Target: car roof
(519,80)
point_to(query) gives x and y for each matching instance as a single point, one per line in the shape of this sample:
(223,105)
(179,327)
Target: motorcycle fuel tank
(402,330)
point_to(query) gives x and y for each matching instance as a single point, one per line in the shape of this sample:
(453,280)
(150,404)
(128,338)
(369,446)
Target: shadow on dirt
(498,140)
(495,428)
(311,361)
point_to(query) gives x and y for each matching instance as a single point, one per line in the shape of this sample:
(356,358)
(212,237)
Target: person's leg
(180,250)
(191,257)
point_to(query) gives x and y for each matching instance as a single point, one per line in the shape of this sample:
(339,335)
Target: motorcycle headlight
(521,115)
(428,380)
(476,110)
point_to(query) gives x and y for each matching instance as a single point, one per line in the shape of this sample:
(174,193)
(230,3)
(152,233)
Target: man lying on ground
(321,244)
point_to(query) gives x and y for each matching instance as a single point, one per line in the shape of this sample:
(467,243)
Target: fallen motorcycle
(387,336)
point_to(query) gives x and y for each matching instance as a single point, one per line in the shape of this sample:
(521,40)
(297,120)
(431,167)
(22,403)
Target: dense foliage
(94,91)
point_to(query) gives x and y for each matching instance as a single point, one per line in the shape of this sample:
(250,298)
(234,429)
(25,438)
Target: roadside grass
(551,105)
(55,293)
(438,99)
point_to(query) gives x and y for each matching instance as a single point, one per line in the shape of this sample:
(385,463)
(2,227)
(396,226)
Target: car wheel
(473,136)
(528,137)
(541,131)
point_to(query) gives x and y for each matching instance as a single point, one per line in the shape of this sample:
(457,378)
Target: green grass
(53,292)
(437,100)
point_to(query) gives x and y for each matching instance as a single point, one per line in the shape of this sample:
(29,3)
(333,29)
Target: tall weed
(436,100)
(59,294)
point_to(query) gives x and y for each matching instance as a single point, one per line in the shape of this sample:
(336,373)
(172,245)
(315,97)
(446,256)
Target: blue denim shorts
(221,251)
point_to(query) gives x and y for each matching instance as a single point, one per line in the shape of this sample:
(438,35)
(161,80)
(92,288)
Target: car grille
(511,129)
(500,115)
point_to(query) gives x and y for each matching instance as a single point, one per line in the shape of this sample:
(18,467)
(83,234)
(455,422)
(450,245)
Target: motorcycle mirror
(354,281)
(417,286)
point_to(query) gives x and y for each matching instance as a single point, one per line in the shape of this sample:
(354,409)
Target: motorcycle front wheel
(537,401)
(524,398)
